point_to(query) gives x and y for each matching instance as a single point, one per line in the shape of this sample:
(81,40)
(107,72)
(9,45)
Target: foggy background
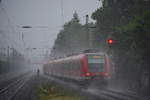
(46,17)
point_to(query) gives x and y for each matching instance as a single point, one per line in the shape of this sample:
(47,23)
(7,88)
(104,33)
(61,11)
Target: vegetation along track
(97,94)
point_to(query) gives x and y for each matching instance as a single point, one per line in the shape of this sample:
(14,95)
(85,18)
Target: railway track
(123,95)
(8,92)
(106,94)
(98,93)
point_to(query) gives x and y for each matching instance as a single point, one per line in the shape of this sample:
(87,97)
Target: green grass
(55,92)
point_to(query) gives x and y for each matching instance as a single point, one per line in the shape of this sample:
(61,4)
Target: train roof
(67,58)
(98,53)
(77,56)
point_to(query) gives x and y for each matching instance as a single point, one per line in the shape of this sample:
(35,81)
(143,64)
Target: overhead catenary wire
(9,38)
(41,28)
(10,24)
(62,11)
(8,18)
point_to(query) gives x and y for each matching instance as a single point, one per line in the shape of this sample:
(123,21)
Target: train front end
(96,66)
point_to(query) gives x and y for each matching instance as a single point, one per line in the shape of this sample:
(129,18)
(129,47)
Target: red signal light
(110,41)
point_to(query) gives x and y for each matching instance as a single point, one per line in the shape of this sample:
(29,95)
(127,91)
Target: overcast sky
(50,13)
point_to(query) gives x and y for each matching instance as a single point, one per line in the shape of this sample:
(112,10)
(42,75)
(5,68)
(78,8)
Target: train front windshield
(96,63)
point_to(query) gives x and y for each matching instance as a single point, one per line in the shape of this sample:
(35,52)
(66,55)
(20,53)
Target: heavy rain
(74,49)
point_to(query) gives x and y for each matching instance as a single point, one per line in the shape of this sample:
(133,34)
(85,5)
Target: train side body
(80,67)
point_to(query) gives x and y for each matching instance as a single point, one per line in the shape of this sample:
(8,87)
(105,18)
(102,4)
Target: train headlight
(88,74)
(106,74)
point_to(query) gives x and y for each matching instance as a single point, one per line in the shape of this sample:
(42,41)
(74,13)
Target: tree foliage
(128,23)
(71,39)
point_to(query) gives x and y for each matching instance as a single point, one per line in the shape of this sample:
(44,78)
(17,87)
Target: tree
(71,39)
(128,23)
(75,17)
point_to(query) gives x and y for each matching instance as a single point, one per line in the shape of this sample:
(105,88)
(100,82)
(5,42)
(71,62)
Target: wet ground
(41,87)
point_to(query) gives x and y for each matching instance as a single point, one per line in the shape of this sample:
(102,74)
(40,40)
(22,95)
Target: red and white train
(82,67)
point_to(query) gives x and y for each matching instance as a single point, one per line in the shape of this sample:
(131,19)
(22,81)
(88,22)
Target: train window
(96,64)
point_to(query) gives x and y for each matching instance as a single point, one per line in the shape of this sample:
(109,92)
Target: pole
(8,58)
(91,35)
(87,30)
